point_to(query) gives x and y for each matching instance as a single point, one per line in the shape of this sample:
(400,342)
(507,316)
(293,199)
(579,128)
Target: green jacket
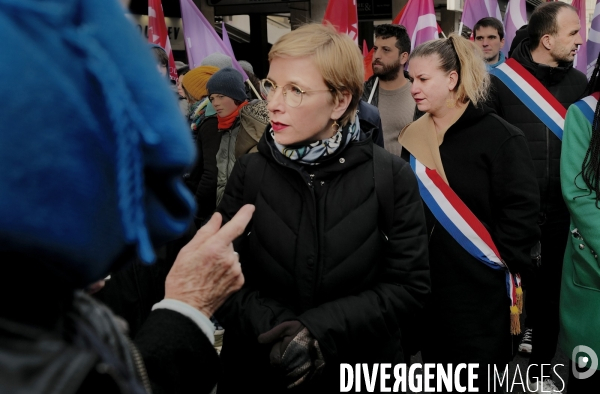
(242,138)
(580,290)
(226,157)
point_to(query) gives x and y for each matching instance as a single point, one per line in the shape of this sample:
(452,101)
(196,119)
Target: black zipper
(311,188)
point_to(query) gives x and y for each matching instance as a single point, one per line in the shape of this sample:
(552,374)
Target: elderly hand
(207,270)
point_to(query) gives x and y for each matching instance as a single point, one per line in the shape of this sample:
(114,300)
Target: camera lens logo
(582,361)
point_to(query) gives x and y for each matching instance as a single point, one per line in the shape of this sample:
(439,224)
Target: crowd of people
(144,225)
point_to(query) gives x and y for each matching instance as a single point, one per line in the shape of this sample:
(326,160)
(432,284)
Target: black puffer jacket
(567,85)
(314,252)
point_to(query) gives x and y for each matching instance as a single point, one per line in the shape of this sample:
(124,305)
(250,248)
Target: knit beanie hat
(217,60)
(195,81)
(92,168)
(228,82)
(246,66)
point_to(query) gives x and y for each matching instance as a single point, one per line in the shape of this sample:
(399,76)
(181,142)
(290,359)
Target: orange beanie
(195,81)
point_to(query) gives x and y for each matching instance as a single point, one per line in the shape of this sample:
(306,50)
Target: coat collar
(355,153)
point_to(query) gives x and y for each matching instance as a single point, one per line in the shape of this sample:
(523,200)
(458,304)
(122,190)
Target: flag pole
(460,28)
(373,90)
(253,89)
(443,34)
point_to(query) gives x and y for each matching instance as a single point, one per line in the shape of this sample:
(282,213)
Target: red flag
(367,60)
(158,34)
(343,15)
(365,48)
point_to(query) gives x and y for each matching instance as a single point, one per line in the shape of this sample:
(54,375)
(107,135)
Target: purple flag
(227,43)
(226,37)
(419,20)
(200,37)
(474,10)
(580,61)
(593,42)
(515,17)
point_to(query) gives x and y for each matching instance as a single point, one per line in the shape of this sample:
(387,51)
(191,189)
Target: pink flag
(343,15)
(157,33)
(418,16)
(474,10)
(515,17)
(593,42)
(201,39)
(580,62)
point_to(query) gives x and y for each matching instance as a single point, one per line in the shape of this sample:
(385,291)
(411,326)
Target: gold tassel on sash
(520,299)
(515,321)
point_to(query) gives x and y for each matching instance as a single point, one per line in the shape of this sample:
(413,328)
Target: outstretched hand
(207,270)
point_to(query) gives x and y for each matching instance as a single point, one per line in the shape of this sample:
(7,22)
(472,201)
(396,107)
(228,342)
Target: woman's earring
(335,125)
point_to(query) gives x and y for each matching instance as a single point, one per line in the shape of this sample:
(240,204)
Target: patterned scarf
(313,153)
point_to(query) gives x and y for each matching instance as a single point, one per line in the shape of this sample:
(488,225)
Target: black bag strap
(384,189)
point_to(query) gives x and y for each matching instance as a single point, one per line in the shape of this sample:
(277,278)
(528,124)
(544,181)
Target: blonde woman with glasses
(334,269)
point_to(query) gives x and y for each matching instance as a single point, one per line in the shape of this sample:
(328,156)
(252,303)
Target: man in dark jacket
(548,55)
(389,87)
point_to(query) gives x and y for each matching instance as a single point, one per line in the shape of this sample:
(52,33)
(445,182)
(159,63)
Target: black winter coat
(203,175)
(488,165)
(315,252)
(370,113)
(567,85)
(48,345)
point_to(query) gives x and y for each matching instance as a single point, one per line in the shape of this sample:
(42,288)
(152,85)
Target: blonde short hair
(458,54)
(337,57)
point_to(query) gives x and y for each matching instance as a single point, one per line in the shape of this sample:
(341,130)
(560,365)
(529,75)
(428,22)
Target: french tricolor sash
(533,94)
(452,213)
(588,106)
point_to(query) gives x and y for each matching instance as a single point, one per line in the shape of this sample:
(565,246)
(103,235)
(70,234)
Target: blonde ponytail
(463,56)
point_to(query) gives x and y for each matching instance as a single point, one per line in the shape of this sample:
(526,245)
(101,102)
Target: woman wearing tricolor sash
(580,291)
(476,178)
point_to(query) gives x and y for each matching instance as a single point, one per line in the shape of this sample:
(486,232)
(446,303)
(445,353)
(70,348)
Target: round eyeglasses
(292,94)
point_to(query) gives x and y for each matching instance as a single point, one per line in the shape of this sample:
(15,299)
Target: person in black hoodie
(469,317)
(327,281)
(548,55)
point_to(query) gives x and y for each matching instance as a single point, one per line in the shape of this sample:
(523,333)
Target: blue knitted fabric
(92,144)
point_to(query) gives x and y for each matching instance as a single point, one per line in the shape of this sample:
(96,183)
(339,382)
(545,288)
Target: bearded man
(389,87)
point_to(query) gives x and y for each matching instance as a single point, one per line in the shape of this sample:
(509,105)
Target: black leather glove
(295,352)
